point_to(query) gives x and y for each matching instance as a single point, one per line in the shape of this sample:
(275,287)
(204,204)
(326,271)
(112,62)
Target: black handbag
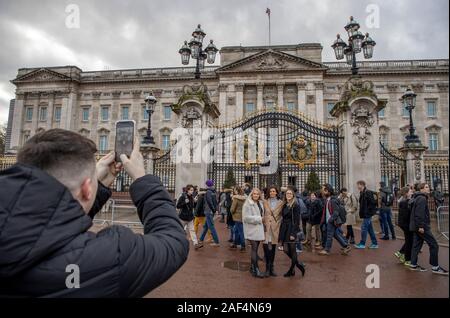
(300,236)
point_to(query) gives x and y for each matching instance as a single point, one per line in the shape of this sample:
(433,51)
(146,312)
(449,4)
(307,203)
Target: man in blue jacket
(47,203)
(210,208)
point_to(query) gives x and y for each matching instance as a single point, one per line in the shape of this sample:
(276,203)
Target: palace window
(381,113)
(431,108)
(125,112)
(43,114)
(405,112)
(270,105)
(329,108)
(85,114)
(103,143)
(290,106)
(249,108)
(144,113)
(433,141)
(165,142)
(57,113)
(167,112)
(26,136)
(29,114)
(104,114)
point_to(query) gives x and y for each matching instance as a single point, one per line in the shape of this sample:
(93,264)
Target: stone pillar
(17,121)
(319,101)
(415,168)
(50,110)
(239,87)
(68,109)
(301,97)
(259,96)
(280,90)
(357,111)
(223,103)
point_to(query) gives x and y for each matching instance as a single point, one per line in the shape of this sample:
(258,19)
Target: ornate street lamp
(356,43)
(194,49)
(150,102)
(409,102)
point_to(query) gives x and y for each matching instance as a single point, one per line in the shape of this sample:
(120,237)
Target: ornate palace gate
(276,148)
(393,169)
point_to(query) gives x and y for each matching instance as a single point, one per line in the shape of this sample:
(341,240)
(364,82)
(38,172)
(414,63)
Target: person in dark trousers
(272,219)
(290,226)
(210,209)
(186,205)
(367,209)
(385,204)
(47,204)
(420,225)
(404,217)
(238,200)
(333,219)
(315,207)
(199,212)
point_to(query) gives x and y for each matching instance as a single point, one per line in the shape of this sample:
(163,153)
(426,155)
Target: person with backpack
(210,209)
(351,207)
(229,218)
(403,220)
(199,214)
(315,207)
(367,209)
(186,206)
(333,215)
(419,224)
(386,201)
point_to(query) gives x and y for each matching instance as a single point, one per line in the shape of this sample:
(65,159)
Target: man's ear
(86,192)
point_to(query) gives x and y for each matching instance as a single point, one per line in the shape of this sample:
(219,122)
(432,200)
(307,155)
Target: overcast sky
(139,34)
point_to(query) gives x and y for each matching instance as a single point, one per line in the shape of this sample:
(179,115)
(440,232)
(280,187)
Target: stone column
(415,168)
(280,90)
(223,103)
(319,101)
(68,110)
(301,97)
(259,96)
(358,123)
(17,121)
(50,110)
(239,87)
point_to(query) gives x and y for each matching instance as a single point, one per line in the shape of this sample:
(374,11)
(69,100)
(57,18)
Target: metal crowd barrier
(112,213)
(442,218)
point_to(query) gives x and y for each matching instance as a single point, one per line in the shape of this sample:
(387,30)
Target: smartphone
(124,138)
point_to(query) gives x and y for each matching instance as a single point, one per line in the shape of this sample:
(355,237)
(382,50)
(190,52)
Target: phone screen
(124,138)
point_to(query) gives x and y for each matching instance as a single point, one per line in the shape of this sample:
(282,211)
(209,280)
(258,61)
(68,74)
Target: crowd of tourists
(288,220)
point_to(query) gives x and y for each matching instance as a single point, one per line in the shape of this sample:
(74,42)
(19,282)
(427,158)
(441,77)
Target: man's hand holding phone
(134,165)
(107,169)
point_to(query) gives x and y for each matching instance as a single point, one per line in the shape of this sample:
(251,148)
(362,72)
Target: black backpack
(372,201)
(228,200)
(342,211)
(388,198)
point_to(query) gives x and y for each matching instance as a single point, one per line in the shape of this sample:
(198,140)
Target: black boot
(301,267)
(267,259)
(290,272)
(271,271)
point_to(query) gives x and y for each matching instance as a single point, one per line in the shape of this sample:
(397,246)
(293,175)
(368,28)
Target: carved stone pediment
(41,75)
(270,61)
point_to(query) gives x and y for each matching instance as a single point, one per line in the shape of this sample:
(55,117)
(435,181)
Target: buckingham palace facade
(248,79)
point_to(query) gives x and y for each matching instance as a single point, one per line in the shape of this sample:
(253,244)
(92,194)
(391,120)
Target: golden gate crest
(301,152)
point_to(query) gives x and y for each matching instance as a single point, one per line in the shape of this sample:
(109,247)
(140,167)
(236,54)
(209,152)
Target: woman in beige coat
(351,207)
(272,219)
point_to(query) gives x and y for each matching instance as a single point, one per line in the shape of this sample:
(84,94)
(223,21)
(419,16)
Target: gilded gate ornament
(301,152)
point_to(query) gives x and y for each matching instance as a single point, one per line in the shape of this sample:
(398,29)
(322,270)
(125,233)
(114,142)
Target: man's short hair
(343,190)
(328,187)
(361,182)
(67,156)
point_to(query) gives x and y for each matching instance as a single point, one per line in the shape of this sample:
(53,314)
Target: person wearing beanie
(210,208)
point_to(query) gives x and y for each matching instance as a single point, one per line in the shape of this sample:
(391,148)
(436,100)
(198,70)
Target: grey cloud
(137,34)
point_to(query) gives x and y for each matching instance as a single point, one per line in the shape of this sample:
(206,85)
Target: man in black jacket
(367,208)
(419,223)
(186,204)
(47,203)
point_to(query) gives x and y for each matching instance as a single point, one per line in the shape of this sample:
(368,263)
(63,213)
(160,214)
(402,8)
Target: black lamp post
(409,102)
(194,49)
(356,43)
(150,102)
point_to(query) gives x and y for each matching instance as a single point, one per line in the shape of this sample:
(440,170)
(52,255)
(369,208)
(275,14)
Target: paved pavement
(212,272)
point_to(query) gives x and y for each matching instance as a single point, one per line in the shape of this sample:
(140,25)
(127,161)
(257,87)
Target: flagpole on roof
(268,14)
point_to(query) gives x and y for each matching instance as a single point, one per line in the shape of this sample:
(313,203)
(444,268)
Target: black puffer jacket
(186,208)
(43,229)
(404,213)
(315,208)
(420,214)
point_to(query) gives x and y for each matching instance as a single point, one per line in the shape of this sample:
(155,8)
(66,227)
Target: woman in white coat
(252,217)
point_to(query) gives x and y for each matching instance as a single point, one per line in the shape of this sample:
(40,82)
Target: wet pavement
(221,272)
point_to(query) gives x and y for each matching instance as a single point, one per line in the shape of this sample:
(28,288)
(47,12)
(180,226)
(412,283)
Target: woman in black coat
(404,216)
(290,226)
